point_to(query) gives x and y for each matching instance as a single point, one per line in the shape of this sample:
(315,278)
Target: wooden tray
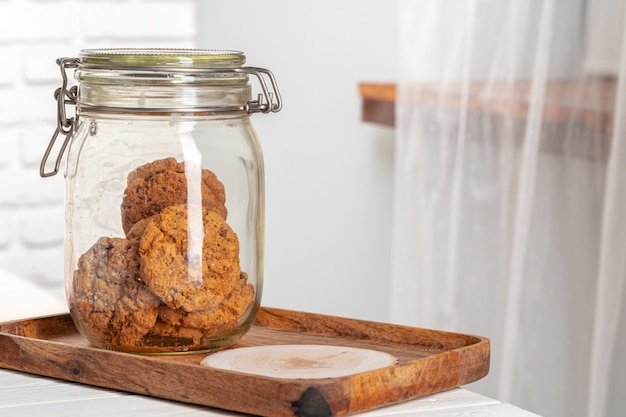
(429,361)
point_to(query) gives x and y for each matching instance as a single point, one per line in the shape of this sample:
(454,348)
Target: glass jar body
(164,230)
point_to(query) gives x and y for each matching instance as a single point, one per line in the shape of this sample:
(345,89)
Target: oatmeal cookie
(213,320)
(165,182)
(163,333)
(193,268)
(136,232)
(108,296)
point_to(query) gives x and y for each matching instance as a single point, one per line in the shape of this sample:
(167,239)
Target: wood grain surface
(589,102)
(429,361)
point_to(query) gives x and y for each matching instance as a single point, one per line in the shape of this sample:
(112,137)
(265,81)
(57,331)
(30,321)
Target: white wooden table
(24,395)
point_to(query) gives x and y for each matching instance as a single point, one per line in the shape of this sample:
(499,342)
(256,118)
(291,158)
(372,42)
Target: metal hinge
(269,101)
(65,126)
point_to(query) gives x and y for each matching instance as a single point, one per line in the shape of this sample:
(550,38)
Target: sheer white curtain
(510,194)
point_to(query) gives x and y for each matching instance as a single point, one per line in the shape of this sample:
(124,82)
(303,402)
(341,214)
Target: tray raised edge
(430,361)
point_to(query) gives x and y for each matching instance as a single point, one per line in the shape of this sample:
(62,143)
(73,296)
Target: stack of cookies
(174,280)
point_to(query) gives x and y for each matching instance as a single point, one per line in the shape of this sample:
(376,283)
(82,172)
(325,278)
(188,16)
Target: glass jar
(164,196)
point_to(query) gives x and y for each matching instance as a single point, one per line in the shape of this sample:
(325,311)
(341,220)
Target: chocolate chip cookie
(165,182)
(108,295)
(215,320)
(189,257)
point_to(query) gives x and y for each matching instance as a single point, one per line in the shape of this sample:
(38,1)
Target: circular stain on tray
(299,361)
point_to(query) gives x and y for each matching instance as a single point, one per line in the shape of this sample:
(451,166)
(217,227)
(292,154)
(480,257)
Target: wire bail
(268,101)
(65,125)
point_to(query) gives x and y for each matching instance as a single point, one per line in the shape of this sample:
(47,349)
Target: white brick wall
(33,33)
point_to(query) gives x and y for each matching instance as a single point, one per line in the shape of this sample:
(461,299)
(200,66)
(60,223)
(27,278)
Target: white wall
(328,175)
(605,20)
(33,34)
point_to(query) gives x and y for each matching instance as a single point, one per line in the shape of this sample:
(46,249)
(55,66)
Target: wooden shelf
(593,98)
(379,103)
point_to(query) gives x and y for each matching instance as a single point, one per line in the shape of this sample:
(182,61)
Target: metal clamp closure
(269,101)
(65,125)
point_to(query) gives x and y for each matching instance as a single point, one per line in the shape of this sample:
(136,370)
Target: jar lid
(161,57)
(116,72)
